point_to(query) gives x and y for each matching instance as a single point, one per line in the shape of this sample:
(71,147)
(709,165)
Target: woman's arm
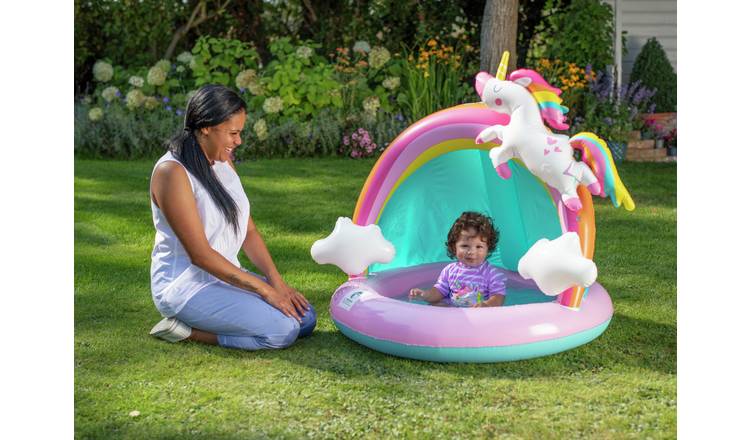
(171,191)
(256,250)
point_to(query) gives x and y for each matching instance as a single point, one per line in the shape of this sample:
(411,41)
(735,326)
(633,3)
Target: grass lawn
(621,385)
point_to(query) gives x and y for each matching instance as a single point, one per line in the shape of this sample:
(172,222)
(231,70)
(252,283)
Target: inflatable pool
(448,163)
(374,312)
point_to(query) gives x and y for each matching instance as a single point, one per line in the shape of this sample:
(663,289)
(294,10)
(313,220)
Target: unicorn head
(524,87)
(501,96)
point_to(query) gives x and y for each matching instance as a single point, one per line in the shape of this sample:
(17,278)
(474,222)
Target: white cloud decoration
(352,247)
(557,265)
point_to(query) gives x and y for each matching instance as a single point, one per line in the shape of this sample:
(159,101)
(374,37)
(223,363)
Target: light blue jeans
(242,319)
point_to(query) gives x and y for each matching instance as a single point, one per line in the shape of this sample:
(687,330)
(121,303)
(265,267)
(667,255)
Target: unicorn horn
(502,69)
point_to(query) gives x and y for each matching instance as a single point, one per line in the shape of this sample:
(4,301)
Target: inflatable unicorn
(530,101)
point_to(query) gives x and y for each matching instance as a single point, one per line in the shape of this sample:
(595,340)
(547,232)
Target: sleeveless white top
(174,279)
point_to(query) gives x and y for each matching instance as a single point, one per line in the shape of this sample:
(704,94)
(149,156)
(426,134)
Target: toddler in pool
(471,281)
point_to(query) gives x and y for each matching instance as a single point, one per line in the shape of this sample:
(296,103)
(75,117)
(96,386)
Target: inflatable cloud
(352,247)
(557,265)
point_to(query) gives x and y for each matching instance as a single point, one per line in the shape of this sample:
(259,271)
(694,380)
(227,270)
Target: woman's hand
(301,304)
(283,302)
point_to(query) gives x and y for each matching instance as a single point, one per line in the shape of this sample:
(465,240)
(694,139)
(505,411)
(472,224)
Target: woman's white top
(174,279)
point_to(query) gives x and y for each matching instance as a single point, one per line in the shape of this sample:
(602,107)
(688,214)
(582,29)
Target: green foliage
(304,80)
(580,34)
(220,60)
(126,32)
(435,79)
(122,133)
(653,69)
(611,114)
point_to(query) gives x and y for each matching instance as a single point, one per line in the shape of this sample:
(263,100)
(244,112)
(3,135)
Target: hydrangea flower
(304,52)
(185,57)
(180,69)
(150,102)
(392,83)
(256,88)
(134,99)
(136,81)
(95,114)
(361,46)
(371,105)
(192,63)
(103,71)
(273,105)
(261,129)
(164,65)
(378,57)
(244,78)
(156,76)
(110,93)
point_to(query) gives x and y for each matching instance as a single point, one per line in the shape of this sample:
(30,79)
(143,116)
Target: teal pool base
(476,354)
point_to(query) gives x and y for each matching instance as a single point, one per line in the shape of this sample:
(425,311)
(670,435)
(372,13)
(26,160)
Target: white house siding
(643,19)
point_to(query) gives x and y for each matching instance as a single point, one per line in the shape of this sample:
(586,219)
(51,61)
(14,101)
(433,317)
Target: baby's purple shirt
(486,278)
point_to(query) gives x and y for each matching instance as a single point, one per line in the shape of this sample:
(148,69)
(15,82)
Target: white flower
(103,71)
(361,46)
(150,102)
(244,78)
(134,99)
(110,93)
(191,64)
(457,30)
(164,65)
(156,76)
(392,82)
(136,81)
(304,52)
(261,129)
(96,113)
(273,105)
(180,69)
(371,105)
(256,88)
(378,57)
(185,57)
(379,35)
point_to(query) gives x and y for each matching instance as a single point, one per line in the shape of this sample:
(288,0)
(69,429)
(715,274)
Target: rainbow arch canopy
(433,171)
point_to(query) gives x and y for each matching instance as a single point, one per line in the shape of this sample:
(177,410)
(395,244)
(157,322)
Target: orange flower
(432,42)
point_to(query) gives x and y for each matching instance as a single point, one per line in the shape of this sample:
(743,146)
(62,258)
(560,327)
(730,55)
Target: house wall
(643,19)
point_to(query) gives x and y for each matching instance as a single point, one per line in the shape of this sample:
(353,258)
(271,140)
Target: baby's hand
(480,304)
(416,294)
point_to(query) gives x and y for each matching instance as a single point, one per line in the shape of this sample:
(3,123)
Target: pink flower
(346,140)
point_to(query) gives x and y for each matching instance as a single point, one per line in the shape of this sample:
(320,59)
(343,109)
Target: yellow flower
(432,42)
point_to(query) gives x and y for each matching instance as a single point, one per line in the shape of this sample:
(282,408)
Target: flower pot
(659,143)
(671,151)
(618,150)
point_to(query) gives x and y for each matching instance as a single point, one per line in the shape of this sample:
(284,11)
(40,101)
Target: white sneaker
(171,329)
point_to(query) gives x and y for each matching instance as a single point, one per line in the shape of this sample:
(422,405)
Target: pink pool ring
(374,312)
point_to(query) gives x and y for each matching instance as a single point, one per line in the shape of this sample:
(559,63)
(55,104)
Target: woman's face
(219,141)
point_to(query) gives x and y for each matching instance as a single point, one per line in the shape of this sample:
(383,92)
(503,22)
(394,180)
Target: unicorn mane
(548,98)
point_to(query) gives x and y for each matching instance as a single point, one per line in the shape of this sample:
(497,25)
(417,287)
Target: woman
(202,220)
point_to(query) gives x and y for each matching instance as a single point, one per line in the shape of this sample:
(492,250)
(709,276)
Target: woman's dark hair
(211,105)
(480,223)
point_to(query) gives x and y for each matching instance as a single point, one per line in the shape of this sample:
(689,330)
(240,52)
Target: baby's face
(471,249)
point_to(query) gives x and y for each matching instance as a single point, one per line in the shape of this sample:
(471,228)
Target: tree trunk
(499,33)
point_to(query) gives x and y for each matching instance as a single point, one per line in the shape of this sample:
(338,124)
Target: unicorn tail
(596,154)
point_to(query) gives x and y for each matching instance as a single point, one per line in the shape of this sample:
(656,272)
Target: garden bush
(653,69)
(581,34)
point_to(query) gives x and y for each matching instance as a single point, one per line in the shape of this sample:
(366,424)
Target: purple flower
(399,117)
(117,93)
(169,108)
(165,99)
(607,120)
(179,112)
(242,90)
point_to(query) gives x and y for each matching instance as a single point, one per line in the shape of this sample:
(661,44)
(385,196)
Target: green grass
(621,385)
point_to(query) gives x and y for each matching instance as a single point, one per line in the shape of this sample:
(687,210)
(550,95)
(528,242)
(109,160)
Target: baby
(471,281)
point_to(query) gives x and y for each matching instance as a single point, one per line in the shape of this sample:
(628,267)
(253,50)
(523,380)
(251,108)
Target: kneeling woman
(202,220)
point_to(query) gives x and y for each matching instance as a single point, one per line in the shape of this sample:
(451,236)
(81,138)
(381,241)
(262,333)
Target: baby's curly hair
(473,220)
